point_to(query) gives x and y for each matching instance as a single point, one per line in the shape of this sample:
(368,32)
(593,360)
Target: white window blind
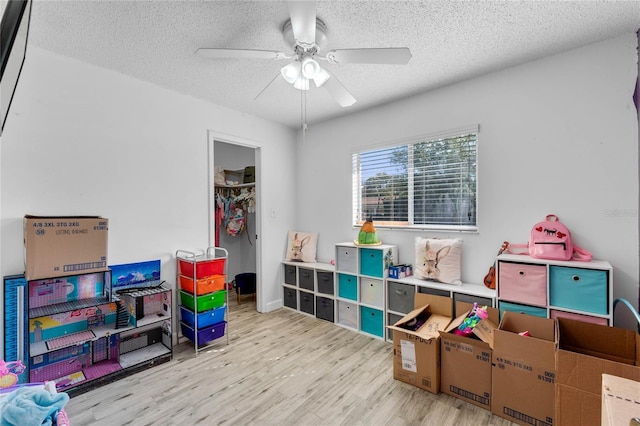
(426,183)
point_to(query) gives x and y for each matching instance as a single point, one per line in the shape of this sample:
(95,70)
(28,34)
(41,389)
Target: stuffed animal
(368,234)
(473,318)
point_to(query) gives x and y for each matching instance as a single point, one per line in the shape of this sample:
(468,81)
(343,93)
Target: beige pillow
(301,246)
(438,259)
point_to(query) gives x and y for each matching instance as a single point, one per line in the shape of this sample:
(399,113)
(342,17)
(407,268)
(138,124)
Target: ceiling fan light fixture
(301,83)
(291,72)
(321,77)
(310,68)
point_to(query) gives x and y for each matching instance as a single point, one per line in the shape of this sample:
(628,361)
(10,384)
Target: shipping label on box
(62,246)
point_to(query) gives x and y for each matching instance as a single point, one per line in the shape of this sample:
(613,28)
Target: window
(425,183)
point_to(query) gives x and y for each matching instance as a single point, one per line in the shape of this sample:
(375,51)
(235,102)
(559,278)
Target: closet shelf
(240,185)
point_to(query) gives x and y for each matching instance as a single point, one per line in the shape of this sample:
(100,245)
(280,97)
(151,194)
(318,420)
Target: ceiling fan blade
(268,85)
(222,53)
(391,55)
(303,20)
(339,93)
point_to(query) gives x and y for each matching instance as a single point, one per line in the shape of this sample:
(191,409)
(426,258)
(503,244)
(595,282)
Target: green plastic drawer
(205,302)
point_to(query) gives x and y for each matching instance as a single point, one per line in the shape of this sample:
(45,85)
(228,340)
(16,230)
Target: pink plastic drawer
(586,318)
(523,283)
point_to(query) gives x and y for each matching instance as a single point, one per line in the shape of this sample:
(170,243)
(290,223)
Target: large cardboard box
(465,361)
(62,246)
(620,400)
(586,352)
(416,342)
(524,370)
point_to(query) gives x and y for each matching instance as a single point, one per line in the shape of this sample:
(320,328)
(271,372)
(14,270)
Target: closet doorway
(233,207)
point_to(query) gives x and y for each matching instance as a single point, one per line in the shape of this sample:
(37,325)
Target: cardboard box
(400,271)
(416,350)
(523,372)
(465,371)
(620,400)
(63,246)
(586,352)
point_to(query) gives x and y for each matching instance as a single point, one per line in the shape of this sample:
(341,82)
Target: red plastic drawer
(523,283)
(204,268)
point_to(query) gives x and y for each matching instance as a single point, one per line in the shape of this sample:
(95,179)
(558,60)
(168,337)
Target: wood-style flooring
(280,368)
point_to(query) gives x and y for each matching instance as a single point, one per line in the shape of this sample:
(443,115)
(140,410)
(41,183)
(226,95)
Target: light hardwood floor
(280,368)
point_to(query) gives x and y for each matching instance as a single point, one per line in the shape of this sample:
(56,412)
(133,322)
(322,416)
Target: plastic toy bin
(205,319)
(206,285)
(205,335)
(204,266)
(204,303)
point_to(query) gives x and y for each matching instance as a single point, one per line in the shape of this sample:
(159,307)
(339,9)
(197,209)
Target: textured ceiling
(450,41)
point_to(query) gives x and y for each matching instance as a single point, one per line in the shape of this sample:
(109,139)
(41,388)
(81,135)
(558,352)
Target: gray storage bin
(290,298)
(348,314)
(400,296)
(290,274)
(468,298)
(325,282)
(324,308)
(347,259)
(434,291)
(305,278)
(392,319)
(307,302)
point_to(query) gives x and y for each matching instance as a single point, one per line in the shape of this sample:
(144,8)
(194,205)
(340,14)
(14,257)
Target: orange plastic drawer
(205,285)
(523,283)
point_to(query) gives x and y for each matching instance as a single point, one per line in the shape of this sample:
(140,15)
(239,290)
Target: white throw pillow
(438,259)
(301,246)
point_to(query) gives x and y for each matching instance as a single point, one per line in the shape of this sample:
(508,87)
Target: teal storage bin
(580,289)
(522,309)
(348,286)
(372,321)
(371,263)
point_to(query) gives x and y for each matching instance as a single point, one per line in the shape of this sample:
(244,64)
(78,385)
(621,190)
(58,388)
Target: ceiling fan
(307,36)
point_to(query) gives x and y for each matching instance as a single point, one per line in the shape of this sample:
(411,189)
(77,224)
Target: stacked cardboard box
(586,352)
(524,369)
(416,342)
(63,246)
(466,360)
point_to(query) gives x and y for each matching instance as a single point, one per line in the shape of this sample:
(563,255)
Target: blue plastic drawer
(205,319)
(523,309)
(372,321)
(205,335)
(580,289)
(348,286)
(371,263)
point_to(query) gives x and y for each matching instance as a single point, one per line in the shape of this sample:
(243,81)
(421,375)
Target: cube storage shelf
(71,331)
(400,294)
(359,295)
(204,300)
(553,289)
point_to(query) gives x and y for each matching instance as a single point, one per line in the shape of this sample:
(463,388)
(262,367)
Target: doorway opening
(234,212)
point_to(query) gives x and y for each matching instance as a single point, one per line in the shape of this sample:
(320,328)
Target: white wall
(558,135)
(81,140)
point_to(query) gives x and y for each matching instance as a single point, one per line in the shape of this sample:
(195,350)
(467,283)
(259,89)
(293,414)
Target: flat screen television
(14,31)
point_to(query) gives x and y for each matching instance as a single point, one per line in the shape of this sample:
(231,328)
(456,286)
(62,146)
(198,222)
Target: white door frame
(213,137)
